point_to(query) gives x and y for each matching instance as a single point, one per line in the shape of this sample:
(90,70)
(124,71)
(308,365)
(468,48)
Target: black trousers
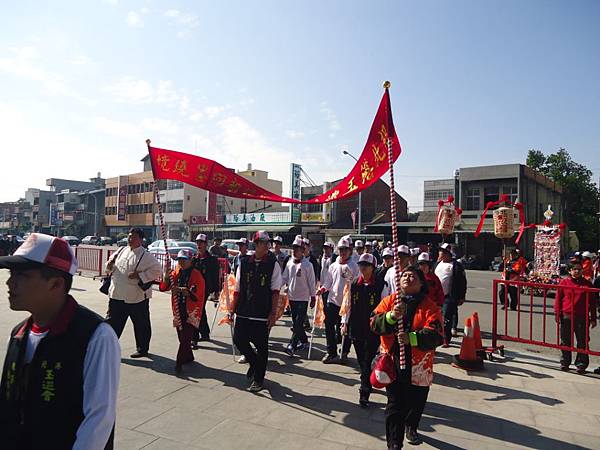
(579,327)
(248,331)
(405,405)
(512,294)
(366,349)
(332,331)
(203,329)
(299,310)
(119,312)
(449,311)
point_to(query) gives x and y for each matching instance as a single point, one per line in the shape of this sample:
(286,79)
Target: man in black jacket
(454,283)
(61,371)
(365,295)
(209,266)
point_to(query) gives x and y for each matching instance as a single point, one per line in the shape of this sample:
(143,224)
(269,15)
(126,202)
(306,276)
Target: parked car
(106,240)
(470,262)
(157,248)
(72,240)
(90,240)
(122,242)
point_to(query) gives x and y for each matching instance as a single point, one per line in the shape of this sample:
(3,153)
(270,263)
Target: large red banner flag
(214,177)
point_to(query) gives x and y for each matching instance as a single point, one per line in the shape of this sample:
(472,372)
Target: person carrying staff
(208,266)
(187,301)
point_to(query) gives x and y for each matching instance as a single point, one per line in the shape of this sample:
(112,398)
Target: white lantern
(504,222)
(446,220)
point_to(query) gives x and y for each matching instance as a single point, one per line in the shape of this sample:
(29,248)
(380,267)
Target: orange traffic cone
(468,358)
(477,336)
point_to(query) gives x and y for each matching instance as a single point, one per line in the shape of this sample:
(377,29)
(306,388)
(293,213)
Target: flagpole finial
(147,141)
(387,84)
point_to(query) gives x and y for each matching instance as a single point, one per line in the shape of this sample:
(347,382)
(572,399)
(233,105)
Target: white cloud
(24,63)
(134,20)
(138,91)
(208,112)
(293,134)
(111,2)
(330,117)
(185,22)
(161,126)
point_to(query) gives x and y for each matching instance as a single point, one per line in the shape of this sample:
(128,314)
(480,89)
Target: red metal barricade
(524,312)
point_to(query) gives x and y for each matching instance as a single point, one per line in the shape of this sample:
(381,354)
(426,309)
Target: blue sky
(269,83)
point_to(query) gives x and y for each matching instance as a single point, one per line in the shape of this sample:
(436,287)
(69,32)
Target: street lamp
(95,213)
(359,195)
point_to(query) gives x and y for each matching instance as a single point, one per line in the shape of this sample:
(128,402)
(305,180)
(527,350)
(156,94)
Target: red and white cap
(242,240)
(415,251)
(344,242)
(328,244)
(201,237)
(278,239)
(298,242)
(261,235)
(367,258)
(446,247)
(404,249)
(185,253)
(387,252)
(359,244)
(42,250)
(424,257)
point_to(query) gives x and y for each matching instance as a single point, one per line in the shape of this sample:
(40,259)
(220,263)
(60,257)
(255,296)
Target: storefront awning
(255,227)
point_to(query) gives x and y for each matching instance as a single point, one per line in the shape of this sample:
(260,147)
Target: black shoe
(581,371)
(597,371)
(363,399)
(255,387)
(195,345)
(204,339)
(330,359)
(412,437)
(344,358)
(139,354)
(289,349)
(564,368)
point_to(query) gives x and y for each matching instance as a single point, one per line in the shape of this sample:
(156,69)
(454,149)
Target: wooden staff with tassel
(402,354)
(163,236)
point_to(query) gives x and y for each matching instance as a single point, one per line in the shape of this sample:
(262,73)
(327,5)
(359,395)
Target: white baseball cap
(328,244)
(387,252)
(446,247)
(587,254)
(306,241)
(359,243)
(201,237)
(344,242)
(367,258)
(415,251)
(261,235)
(298,242)
(374,243)
(404,249)
(242,240)
(424,257)
(278,239)
(42,250)
(368,243)
(348,238)
(184,253)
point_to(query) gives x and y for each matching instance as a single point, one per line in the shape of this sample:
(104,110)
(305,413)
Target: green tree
(579,192)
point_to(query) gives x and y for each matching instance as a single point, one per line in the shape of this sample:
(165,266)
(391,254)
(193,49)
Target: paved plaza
(521,401)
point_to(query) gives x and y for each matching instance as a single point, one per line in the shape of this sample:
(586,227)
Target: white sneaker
(242,360)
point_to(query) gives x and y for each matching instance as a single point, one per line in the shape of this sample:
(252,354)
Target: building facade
(434,190)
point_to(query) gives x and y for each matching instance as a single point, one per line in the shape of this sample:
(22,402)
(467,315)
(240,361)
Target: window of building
(173,184)
(491,194)
(473,199)
(511,191)
(437,195)
(175,206)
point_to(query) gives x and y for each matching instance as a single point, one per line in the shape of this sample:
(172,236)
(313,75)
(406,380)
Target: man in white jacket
(299,277)
(340,274)
(132,269)
(390,276)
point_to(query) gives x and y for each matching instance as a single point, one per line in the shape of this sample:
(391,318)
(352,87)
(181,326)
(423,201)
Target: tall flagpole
(163,236)
(402,355)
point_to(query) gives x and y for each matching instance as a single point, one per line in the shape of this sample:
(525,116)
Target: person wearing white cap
(365,294)
(454,283)
(279,254)
(242,244)
(216,249)
(341,272)
(414,254)
(388,261)
(359,246)
(187,302)
(587,265)
(208,265)
(133,271)
(375,251)
(390,276)
(434,285)
(61,370)
(299,277)
(255,302)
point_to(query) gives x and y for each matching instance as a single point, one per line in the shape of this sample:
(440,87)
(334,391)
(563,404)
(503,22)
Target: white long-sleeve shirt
(101,367)
(300,279)
(338,275)
(126,289)
(326,262)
